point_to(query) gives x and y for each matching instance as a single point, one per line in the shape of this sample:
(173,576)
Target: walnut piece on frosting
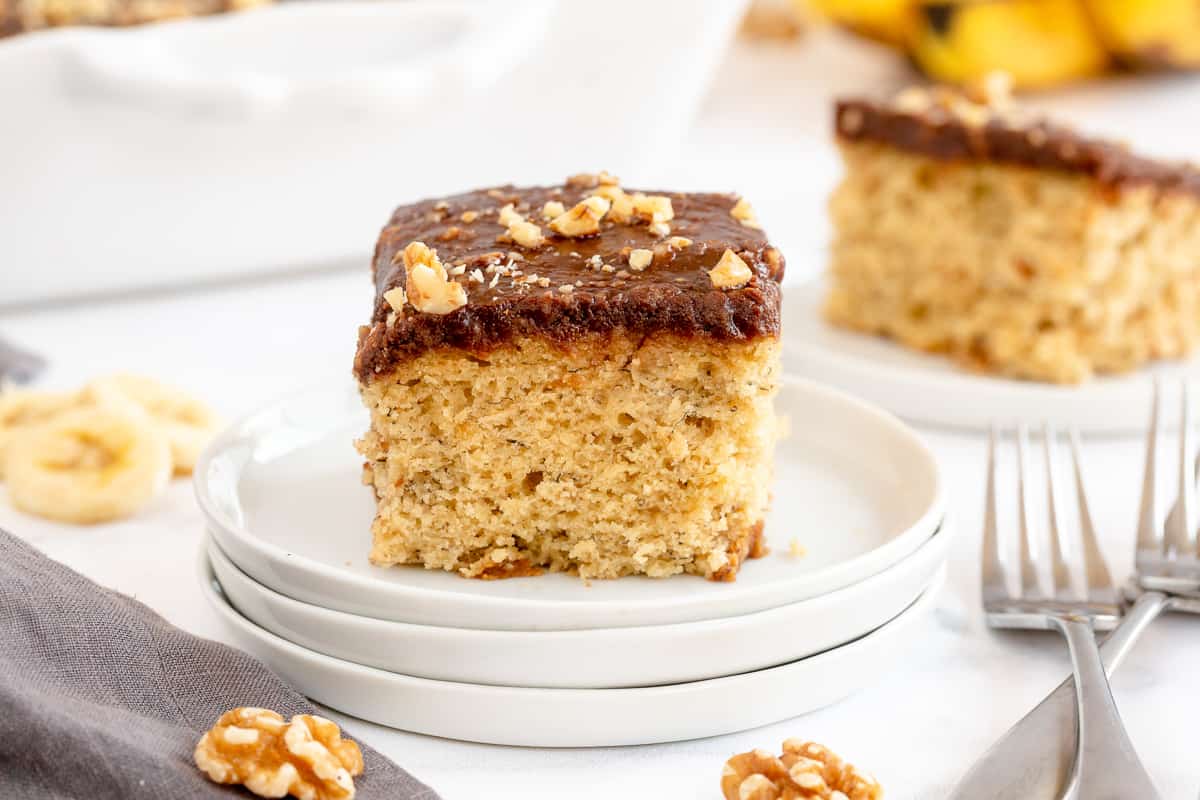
(583,219)
(621,210)
(805,771)
(653,207)
(428,287)
(526,234)
(305,758)
(731,272)
(640,258)
(552,209)
(743,212)
(396,298)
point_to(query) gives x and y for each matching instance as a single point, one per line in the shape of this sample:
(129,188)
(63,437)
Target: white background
(762,131)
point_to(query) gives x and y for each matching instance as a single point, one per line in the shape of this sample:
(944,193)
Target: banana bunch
(99,454)
(1040,43)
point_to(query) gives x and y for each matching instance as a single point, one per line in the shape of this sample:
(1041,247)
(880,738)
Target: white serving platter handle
(389,57)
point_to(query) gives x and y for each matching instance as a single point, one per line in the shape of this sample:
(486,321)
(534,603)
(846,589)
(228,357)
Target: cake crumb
(797,550)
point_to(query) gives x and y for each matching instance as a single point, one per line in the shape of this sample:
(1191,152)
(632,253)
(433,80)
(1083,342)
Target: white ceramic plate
(929,389)
(601,658)
(576,717)
(283,495)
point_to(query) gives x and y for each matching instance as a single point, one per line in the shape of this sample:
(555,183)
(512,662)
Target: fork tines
(1168,555)
(1099,596)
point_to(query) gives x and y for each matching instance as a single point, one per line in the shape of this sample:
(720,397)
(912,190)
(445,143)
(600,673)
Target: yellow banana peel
(1039,43)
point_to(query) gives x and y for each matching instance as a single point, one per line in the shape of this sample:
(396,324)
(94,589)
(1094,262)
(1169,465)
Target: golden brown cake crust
(584,285)
(939,133)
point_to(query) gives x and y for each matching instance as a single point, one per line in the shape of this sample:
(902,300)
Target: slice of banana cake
(1016,246)
(572,378)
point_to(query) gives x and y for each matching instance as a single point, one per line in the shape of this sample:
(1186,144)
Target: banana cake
(1015,245)
(574,378)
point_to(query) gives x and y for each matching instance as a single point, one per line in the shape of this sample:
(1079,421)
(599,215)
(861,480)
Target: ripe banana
(187,423)
(87,465)
(888,21)
(20,409)
(1149,33)
(1038,42)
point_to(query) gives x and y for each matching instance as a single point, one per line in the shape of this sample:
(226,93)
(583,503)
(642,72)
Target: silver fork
(1168,557)
(1105,764)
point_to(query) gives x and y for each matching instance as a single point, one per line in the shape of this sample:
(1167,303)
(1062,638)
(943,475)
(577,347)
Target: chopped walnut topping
(679,243)
(974,111)
(552,209)
(595,262)
(458,269)
(655,208)
(476,276)
(587,180)
(993,90)
(429,288)
(731,272)
(526,234)
(306,757)
(608,268)
(805,771)
(508,215)
(396,298)
(622,204)
(566,288)
(660,228)
(640,259)
(543,282)
(469,216)
(743,212)
(583,219)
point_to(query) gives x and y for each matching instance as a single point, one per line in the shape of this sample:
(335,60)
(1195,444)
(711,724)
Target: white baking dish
(281,138)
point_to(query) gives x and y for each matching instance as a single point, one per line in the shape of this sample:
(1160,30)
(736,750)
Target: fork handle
(1106,766)
(1031,759)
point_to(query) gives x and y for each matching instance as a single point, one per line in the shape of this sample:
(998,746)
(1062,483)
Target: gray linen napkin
(102,698)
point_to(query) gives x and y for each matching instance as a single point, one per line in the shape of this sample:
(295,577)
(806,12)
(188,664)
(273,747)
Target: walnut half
(805,771)
(306,758)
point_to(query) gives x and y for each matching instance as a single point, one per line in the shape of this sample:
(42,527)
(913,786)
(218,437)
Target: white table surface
(917,730)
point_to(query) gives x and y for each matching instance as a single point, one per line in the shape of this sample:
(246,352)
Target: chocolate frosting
(674,294)
(940,134)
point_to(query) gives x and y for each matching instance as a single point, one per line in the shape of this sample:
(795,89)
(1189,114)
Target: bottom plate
(576,717)
(600,658)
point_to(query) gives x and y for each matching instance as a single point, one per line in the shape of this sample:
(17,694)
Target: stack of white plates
(858,543)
